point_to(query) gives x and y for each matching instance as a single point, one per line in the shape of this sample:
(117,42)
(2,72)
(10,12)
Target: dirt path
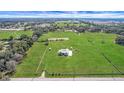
(42,75)
(67,79)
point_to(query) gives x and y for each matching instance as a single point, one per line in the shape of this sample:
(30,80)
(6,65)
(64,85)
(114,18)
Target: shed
(65,52)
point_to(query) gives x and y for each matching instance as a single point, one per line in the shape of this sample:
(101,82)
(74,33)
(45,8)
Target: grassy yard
(87,59)
(7,34)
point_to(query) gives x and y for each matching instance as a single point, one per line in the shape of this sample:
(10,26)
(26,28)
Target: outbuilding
(58,39)
(65,52)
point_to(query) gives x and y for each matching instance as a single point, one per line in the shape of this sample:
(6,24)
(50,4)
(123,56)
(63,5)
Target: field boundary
(69,79)
(106,58)
(41,60)
(111,63)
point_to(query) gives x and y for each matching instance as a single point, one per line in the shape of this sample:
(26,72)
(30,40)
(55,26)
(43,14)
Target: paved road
(67,79)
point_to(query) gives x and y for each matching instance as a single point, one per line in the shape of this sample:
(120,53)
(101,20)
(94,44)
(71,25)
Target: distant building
(45,25)
(65,52)
(57,39)
(12,29)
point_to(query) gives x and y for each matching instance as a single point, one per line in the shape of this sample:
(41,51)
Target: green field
(94,54)
(7,34)
(69,23)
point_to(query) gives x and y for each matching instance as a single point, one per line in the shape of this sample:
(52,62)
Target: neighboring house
(65,52)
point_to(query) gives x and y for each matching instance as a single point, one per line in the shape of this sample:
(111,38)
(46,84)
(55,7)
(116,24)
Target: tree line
(15,52)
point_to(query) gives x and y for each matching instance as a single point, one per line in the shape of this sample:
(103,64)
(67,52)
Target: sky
(61,14)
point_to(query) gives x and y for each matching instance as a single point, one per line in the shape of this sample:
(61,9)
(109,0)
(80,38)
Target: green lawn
(87,59)
(7,34)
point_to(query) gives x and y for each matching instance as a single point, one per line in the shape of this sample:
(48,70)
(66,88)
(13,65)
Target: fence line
(41,60)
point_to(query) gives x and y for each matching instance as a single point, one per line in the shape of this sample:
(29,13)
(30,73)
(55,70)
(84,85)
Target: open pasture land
(69,23)
(94,55)
(7,34)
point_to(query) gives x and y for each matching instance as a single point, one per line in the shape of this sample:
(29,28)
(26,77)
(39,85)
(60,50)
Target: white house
(65,52)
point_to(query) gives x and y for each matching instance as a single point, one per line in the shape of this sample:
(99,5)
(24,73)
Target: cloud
(62,14)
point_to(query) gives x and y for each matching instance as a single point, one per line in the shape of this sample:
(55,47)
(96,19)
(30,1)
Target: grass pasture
(94,54)
(69,23)
(7,34)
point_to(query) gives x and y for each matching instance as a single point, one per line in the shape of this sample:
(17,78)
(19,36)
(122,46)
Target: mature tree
(2,55)
(17,57)
(119,40)
(10,38)
(2,65)
(38,33)
(34,38)
(1,46)
(46,43)
(11,66)
(23,37)
(122,33)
